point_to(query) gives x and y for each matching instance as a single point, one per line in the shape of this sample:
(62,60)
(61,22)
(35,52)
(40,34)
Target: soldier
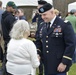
(40,4)
(40,24)
(57,41)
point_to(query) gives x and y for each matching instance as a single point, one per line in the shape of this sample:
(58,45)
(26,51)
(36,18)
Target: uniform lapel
(45,29)
(53,26)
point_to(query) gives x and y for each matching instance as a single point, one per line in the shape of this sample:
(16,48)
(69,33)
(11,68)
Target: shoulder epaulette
(66,21)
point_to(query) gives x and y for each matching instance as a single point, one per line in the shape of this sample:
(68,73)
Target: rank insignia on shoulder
(66,21)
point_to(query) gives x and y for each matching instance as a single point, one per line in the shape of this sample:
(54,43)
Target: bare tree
(62,5)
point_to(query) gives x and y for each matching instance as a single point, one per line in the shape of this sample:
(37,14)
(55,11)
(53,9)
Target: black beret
(45,8)
(42,2)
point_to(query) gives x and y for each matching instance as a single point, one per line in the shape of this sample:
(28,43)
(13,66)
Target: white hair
(20,28)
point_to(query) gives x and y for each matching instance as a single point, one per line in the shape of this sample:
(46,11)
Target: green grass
(72,70)
(0,63)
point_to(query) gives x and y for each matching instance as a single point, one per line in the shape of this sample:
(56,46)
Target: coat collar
(54,25)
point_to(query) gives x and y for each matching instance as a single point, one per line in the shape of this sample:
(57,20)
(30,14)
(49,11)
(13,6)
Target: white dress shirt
(52,21)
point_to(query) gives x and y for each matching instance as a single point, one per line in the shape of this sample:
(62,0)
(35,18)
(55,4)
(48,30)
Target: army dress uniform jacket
(38,34)
(58,45)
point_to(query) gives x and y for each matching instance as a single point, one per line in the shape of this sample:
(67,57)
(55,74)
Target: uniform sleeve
(39,46)
(38,43)
(38,35)
(69,38)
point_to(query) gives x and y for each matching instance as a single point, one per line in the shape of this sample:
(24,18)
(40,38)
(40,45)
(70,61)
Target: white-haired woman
(21,53)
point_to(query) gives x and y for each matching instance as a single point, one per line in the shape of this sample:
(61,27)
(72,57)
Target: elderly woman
(22,56)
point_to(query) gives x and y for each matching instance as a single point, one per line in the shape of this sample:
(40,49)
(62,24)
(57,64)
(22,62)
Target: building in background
(27,5)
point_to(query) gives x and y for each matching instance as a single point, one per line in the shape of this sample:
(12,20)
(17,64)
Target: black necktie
(48,26)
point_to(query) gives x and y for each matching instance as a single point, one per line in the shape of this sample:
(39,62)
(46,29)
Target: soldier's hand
(61,67)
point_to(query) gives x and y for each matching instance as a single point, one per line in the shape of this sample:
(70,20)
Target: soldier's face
(47,16)
(12,9)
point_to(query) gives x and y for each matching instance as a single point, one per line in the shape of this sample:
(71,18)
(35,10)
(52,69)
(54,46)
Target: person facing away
(57,41)
(22,56)
(72,19)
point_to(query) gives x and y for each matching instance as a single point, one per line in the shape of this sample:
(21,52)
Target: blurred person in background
(57,13)
(1,51)
(40,20)
(21,14)
(67,14)
(38,34)
(22,56)
(16,14)
(35,17)
(72,19)
(7,23)
(1,11)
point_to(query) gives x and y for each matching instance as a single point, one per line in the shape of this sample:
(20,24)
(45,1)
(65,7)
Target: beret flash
(45,8)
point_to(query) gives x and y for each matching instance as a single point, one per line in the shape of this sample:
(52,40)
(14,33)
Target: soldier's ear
(51,12)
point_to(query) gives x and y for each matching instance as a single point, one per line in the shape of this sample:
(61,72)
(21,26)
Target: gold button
(46,36)
(56,36)
(47,46)
(47,51)
(46,41)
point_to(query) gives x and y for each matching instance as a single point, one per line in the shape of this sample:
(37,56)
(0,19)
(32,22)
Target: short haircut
(20,28)
(73,11)
(0,3)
